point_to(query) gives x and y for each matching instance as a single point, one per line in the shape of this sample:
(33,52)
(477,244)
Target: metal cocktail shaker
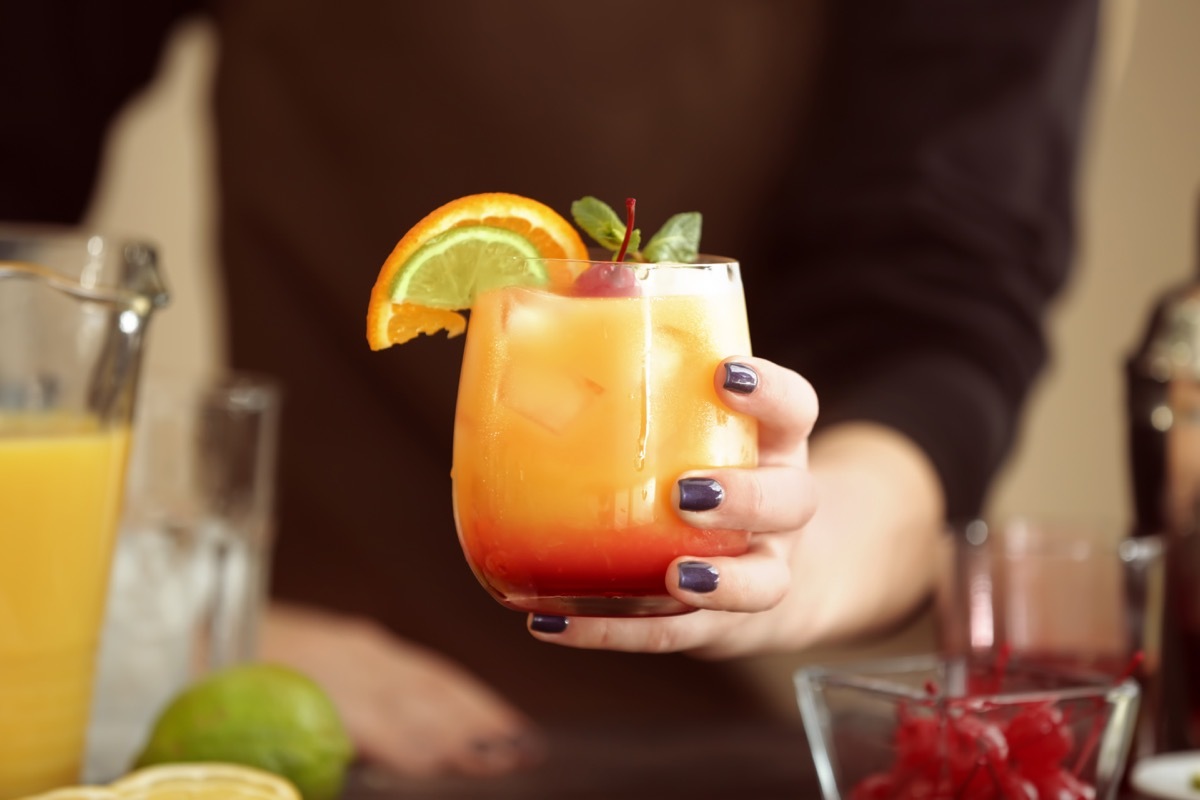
(1163,408)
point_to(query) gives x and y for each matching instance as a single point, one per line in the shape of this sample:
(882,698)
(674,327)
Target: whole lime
(258,715)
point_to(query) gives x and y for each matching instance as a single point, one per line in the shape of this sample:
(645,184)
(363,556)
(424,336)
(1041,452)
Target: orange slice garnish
(468,245)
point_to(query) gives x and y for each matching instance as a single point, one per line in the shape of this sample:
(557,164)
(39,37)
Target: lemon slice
(201,781)
(77,793)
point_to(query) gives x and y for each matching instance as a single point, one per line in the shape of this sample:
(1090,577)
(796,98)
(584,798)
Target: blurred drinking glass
(1066,595)
(192,563)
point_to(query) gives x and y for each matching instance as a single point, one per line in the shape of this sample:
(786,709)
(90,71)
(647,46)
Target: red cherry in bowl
(1039,738)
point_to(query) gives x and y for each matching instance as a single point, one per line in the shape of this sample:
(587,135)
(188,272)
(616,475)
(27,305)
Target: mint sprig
(597,219)
(677,240)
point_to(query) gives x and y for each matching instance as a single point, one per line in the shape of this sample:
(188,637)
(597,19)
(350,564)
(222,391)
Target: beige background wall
(1139,219)
(157,182)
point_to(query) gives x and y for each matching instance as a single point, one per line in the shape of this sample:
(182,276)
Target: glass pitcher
(73,314)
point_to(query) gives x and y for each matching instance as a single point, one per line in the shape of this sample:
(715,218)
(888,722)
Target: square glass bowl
(933,728)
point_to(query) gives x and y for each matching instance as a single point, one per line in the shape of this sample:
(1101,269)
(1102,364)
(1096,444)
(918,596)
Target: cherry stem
(1131,667)
(1001,666)
(630,203)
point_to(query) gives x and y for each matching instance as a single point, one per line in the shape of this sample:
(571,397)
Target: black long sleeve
(928,224)
(926,228)
(931,221)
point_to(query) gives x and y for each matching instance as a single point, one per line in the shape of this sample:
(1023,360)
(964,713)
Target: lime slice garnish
(452,268)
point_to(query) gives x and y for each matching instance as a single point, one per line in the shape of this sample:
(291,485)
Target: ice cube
(552,398)
(146,648)
(668,348)
(524,314)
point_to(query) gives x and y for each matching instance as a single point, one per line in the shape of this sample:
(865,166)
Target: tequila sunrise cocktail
(587,390)
(576,415)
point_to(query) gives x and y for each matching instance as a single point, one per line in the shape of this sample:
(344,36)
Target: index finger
(783,402)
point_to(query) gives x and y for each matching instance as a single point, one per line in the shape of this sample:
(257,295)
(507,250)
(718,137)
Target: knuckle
(755,497)
(761,593)
(758,589)
(787,496)
(802,397)
(604,637)
(736,590)
(775,594)
(664,638)
(745,498)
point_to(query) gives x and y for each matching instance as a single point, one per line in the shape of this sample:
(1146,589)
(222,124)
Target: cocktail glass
(576,416)
(73,315)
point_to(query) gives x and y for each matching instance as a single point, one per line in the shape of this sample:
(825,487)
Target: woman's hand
(844,532)
(773,501)
(408,710)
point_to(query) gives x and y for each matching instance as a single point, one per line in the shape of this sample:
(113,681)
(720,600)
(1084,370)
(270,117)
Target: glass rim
(878,677)
(702,261)
(1050,536)
(14,231)
(142,289)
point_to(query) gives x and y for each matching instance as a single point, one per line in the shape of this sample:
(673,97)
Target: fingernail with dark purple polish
(740,378)
(700,494)
(698,576)
(547,623)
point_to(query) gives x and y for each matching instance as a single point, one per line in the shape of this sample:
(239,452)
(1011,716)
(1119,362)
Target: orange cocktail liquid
(575,418)
(60,491)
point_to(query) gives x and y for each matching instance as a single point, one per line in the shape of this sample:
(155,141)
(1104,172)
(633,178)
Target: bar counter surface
(655,761)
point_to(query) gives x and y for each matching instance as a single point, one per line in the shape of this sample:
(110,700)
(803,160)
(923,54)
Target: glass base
(600,606)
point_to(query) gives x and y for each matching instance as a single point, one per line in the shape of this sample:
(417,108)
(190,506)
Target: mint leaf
(677,240)
(597,219)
